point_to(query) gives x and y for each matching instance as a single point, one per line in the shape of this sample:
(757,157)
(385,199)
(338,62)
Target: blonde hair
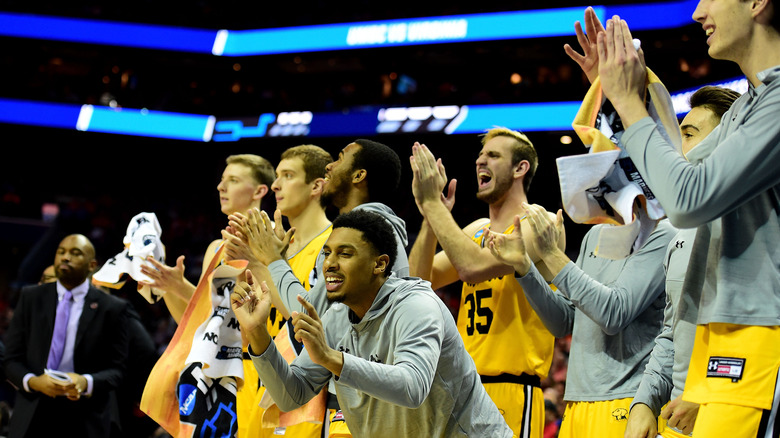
(522,149)
(262,170)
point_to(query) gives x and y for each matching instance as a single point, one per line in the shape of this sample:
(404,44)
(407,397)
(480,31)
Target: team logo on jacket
(726,367)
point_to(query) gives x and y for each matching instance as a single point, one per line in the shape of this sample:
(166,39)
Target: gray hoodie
(406,372)
(289,287)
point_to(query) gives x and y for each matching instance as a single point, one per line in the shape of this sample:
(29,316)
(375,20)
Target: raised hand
(256,230)
(622,71)
(680,414)
(428,178)
(251,304)
(547,233)
(308,329)
(510,249)
(167,278)
(589,59)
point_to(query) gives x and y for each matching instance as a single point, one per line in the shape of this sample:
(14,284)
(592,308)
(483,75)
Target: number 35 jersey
(500,330)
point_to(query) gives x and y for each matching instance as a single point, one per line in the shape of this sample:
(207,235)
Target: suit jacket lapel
(88,313)
(46,319)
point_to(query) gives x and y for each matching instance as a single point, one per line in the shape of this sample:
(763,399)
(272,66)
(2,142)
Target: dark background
(100,181)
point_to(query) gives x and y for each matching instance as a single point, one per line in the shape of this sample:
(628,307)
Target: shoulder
(472,228)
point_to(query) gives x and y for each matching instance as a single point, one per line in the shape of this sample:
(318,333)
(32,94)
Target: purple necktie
(60,330)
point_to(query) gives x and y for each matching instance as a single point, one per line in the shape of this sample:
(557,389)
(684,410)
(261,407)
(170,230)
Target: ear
(359,176)
(260,191)
(521,168)
(762,11)
(381,265)
(317,186)
(93,266)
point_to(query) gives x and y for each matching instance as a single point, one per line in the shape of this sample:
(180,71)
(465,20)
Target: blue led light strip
(452,119)
(345,36)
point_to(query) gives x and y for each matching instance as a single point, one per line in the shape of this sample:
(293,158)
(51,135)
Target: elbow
(684,219)
(414,399)
(468,275)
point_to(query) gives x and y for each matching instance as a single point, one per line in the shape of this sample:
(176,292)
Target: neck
(360,309)
(503,211)
(309,223)
(354,198)
(760,55)
(70,286)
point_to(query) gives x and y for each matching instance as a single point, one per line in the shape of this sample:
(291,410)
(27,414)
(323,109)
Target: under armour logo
(713,365)
(142,220)
(679,244)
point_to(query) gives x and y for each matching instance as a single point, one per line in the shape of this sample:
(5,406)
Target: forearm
(555,310)
(291,386)
(176,306)
(422,253)
(399,384)
(472,263)
(742,165)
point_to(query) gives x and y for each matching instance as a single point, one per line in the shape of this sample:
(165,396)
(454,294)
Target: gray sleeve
(290,287)
(419,334)
(554,309)
(615,306)
(743,164)
(656,386)
(290,385)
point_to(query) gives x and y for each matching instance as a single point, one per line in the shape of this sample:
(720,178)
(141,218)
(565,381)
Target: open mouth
(483,178)
(333,282)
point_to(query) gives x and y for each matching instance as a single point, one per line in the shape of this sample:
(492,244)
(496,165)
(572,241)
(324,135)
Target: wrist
(523,267)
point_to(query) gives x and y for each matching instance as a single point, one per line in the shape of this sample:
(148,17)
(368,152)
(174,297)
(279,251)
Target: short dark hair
(314,159)
(716,99)
(383,167)
(376,230)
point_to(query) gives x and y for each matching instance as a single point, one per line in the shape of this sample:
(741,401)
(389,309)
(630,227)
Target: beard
(337,185)
(500,187)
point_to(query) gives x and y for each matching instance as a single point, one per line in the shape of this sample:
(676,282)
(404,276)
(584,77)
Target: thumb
(180,262)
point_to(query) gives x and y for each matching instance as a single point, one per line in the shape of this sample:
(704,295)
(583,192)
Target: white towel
(141,240)
(217,342)
(603,186)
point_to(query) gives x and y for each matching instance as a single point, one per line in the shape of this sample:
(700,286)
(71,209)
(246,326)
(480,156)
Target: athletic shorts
(522,407)
(603,419)
(733,377)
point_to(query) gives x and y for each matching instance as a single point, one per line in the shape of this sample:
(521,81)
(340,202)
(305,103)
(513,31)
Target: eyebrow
(687,126)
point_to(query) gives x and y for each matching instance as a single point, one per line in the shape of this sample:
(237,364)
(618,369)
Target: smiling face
(74,260)
(728,25)
(495,172)
(238,189)
(696,125)
(292,192)
(352,268)
(338,175)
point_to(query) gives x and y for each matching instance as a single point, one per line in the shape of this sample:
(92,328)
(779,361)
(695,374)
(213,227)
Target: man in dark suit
(93,356)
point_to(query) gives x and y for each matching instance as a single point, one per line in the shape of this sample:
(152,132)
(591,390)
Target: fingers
(278,228)
(451,189)
(576,57)
(310,310)
(592,23)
